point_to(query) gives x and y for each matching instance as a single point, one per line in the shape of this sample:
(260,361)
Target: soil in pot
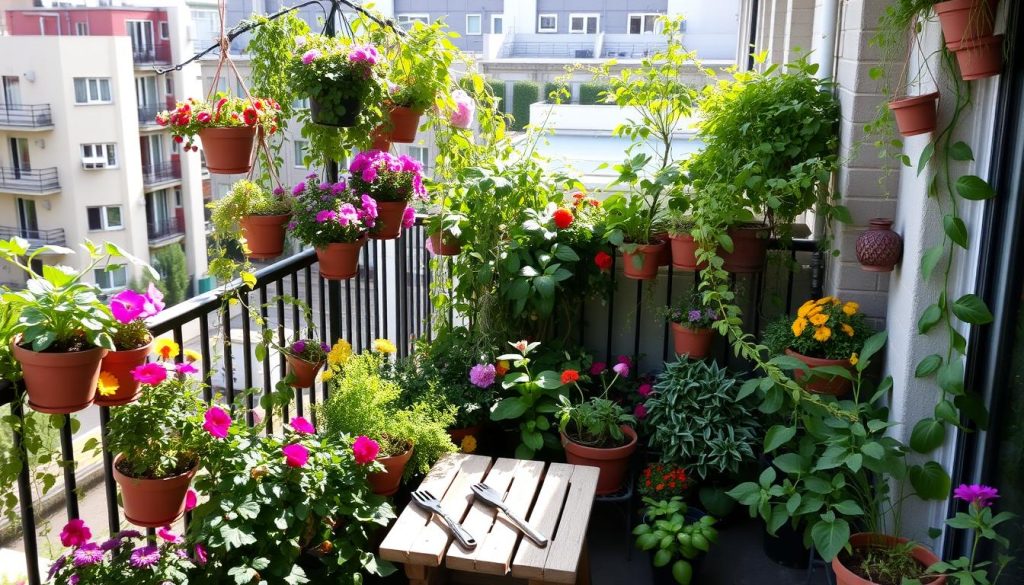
(386,483)
(695,343)
(444,244)
(389,220)
(154,502)
(304,372)
(850,568)
(980,58)
(821,384)
(340,261)
(229,151)
(749,250)
(120,364)
(60,382)
(642,263)
(613,462)
(915,115)
(264,235)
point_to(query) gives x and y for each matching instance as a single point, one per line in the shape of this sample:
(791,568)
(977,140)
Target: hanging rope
(913,42)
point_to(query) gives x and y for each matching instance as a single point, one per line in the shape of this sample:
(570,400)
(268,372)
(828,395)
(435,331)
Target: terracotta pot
(915,115)
(305,372)
(646,268)
(404,124)
(264,235)
(980,58)
(684,253)
(831,385)
(389,220)
(695,343)
(340,261)
(59,383)
(380,140)
(613,462)
(445,244)
(879,248)
(386,483)
(121,364)
(665,254)
(229,151)
(965,19)
(845,576)
(152,503)
(749,250)
(342,115)
(457,434)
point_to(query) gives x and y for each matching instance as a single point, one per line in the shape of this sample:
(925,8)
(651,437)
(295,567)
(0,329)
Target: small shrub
(169,261)
(557,93)
(592,93)
(524,93)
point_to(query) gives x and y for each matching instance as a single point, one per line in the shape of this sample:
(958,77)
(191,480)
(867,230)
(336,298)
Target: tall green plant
(169,261)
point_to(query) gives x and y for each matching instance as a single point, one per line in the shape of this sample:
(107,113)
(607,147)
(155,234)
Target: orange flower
(570,376)
(502,368)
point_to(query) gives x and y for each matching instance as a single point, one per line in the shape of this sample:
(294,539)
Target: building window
(82,29)
(175,149)
(165,30)
(92,90)
(421,154)
(497,24)
(111,279)
(177,197)
(168,84)
(205,27)
(99,156)
(584,23)
(643,24)
(474,24)
(107,217)
(547,23)
(301,104)
(406,20)
(300,153)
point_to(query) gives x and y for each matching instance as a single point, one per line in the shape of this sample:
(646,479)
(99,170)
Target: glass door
(145,91)
(19,156)
(11,91)
(141,33)
(28,223)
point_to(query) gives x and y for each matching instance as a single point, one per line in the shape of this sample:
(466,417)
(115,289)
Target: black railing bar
(307,274)
(282,340)
(109,487)
(67,448)
(204,350)
(246,318)
(264,314)
(25,503)
(229,379)
(367,317)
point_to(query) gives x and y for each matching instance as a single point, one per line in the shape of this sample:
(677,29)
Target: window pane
(592,25)
(300,153)
(81,96)
(105,90)
(497,25)
(111,155)
(95,223)
(94,91)
(113,216)
(577,23)
(102,278)
(86,151)
(649,22)
(473,24)
(119,277)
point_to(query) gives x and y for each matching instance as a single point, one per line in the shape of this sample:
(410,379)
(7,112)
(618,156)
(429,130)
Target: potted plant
(826,334)
(227,126)
(393,182)
(915,114)
(691,322)
(158,440)
(63,330)
(334,220)
(305,357)
(683,244)
(125,557)
(364,401)
(132,344)
(262,215)
(339,77)
(443,232)
(301,509)
(678,536)
(965,20)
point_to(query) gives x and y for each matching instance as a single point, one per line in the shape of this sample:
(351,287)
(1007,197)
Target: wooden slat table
(555,498)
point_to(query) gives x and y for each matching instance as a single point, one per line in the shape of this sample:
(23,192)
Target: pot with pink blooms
(340,77)
(394,182)
(132,345)
(334,219)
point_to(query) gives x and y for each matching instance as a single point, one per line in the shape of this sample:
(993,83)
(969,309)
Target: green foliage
(691,312)
(595,422)
(131,335)
(420,66)
(245,198)
(169,262)
(593,93)
(524,93)
(981,523)
(556,93)
(497,88)
(530,399)
(117,564)
(674,538)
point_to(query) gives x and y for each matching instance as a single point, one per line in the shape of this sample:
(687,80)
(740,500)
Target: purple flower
(185,369)
(597,368)
(200,554)
(298,189)
(711,314)
(292,225)
(56,566)
(326,215)
(87,554)
(408,217)
(339,188)
(299,346)
(129,534)
(325,347)
(278,191)
(324,186)
(621,368)
(482,375)
(144,556)
(977,495)
(73,580)
(310,56)
(369,174)
(110,544)
(154,302)
(369,206)
(694,315)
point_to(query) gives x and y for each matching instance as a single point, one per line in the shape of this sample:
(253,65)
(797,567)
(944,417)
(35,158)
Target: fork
(491,497)
(427,501)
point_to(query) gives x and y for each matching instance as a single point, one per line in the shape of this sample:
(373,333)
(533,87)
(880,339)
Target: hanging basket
(980,58)
(340,261)
(264,235)
(229,151)
(340,113)
(915,115)
(965,20)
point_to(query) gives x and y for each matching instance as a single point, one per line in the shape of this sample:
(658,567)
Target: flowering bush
(130,310)
(335,73)
(692,313)
(826,328)
(127,557)
(387,177)
(191,116)
(663,480)
(326,213)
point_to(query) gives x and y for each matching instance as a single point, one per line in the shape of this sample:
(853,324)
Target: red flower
(595,203)
(603,261)
(250,116)
(179,139)
(563,218)
(570,376)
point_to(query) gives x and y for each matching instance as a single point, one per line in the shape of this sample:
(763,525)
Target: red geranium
(603,261)
(570,376)
(563,218)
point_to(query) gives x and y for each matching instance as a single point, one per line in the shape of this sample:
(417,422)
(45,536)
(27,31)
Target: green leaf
(926,156)
(549,380)
(842,214)
(682,572)
(961,151)
(956,229)
(872,345)
(509,409)
(662,557)
(928,435)
(974,188)
(971,309)
(545,286)
(533,439)
(946,411)
(930,318)
(950,377)
(930,259)
(928,366)
(789,463)
(565,253)
(830,535)
(930,481)
(849,508)
(777,436)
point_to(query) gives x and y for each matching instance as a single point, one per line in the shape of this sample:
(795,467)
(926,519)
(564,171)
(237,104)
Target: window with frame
(407,20)
(474,24)
(99,156)
(643,24)
(584,23)
(497,24)
(104,217)
(165,30)
(177,198)
(547,23)
(299,147)
(82,29)
(421,154)
(92,90)
(111,279)
(168,84)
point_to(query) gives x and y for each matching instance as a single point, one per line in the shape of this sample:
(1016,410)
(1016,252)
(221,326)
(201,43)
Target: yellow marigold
(851,308)
(814,311)
(340,353)
(107,384)
(847,329)
(384,346)
(822,334)
(468,444)
(819,319)
(804,309)
(166,349)
(854,359)
(192,355)
(826,300)
(798,326)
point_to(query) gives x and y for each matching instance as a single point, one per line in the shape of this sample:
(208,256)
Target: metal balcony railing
(26,116)
(36,238)
(147,115)
(161,172)
(167,228)
(29,180)
(150,55)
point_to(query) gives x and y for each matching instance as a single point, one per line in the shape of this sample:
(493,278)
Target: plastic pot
(388,225)
(980,58)
(229,151)
(915,115)
(120,364)
(59,382)
(304,371)
(684,253)
(444,244)
(264,235)
(965,19)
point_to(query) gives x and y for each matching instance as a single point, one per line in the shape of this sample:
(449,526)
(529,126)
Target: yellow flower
(326,375)
(850,308)
(798,326)
(814,311)
(468,444)
(847,329)
(107,384)
(166,349)
(826,300)
(192,355)
(804,309)
(822,334)
(819,319)
(340,353)
(384,346)
(854,359)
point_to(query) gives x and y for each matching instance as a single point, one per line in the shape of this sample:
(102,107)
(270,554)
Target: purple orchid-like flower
(977,495)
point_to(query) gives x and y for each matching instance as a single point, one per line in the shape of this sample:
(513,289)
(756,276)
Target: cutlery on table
(491,497)
(427,501)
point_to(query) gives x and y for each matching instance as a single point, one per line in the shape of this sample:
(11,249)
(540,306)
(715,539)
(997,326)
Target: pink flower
(150,374)
(597,368)
(295,455)
(369,207)
(482,375)
(185,369)
(75,533)
(977,495)
(203,117)
(326,215)
(621,369)
(408,217)
(364,54)
(302,426)
(644,390)
(347,214)
(365,449)
(127,305)
(217,422)
(310,56)
(200,554)
(465,108)
(640,412)
(369,174)
(190,499)
(166,534)
(154,302)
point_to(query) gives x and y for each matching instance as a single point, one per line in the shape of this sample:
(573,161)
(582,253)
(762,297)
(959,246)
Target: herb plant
(594,422)
(529,399)
(418,72)
(675,538)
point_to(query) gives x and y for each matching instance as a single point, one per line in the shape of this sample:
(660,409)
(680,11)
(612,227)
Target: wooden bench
(555,498)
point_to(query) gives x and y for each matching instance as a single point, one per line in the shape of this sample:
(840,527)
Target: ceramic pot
(845,576)
(341,115)
(264,235)
(819,384)
(613,462)
(965,20)
(642,263)
(980,58)
(229,151)
(879,248)
(305,372)
(389,220)
(684,253)
(386,483)
(59,382)
(749,250)
(340,261)
(444,244)
(915,115)
(152,503)
(695,343)
(120,364)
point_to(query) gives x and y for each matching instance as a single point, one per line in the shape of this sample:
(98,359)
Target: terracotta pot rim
(403,455)
(360,242)
(242,130)
(83,356)
(920,553)
(266,219)
(815,361)
(291,355)
(118,475)
(603,453)
(911,101)
(978,42)
(951,5)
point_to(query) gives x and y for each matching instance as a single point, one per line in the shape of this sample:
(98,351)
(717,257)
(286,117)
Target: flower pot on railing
(152,503)
(613,462)
(684,253)
(980,58)
(59,382)
(304,372)
(665,254)
(965,19)
(388,225)
(340,261)
(264,235)
(120,364)
(820,383)
(879,248)
(642,262)
(915,115)
(402,126)
(749,249)
(386,483)
(229,151)
(695,343)
(340,113)
(444,243)
(863,542)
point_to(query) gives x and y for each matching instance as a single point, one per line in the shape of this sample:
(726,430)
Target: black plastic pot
(786,548)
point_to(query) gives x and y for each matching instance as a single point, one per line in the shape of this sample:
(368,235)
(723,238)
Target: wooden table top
(555,498)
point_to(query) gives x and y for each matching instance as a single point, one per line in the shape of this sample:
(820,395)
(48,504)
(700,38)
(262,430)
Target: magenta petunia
(200,554)
(166,534)
(299,347)
(640,412)
(150,374)
(154,302)
(302,426)
(597,368)
(217,422)
(191,498)
(365,449)
(295,455)
(310,56)
(408,217)
(127,305)
(185,369)
(644,390)
(977,495)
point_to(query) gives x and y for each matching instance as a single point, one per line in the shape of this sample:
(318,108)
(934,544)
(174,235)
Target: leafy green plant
(172,278)
(594,422)
(593,93)
(674,537)
(245,198)
(419,66)
(691,312)
(190,117)
(524,93)
(534,397)
(556,92)
(981,523)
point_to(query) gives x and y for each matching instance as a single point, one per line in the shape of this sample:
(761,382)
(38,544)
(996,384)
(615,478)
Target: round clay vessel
(305,372)
(59,382)
(831,385)
(642,263)
(340,261)
(153,503)
(695,343)
(915,115)
(389,220)
(980,58)
(923,556)
(965,20)
(120,364)
(229,151)
(879,248)
(264,235)
(386,483)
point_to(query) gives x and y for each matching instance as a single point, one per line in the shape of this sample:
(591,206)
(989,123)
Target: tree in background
(169,261)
